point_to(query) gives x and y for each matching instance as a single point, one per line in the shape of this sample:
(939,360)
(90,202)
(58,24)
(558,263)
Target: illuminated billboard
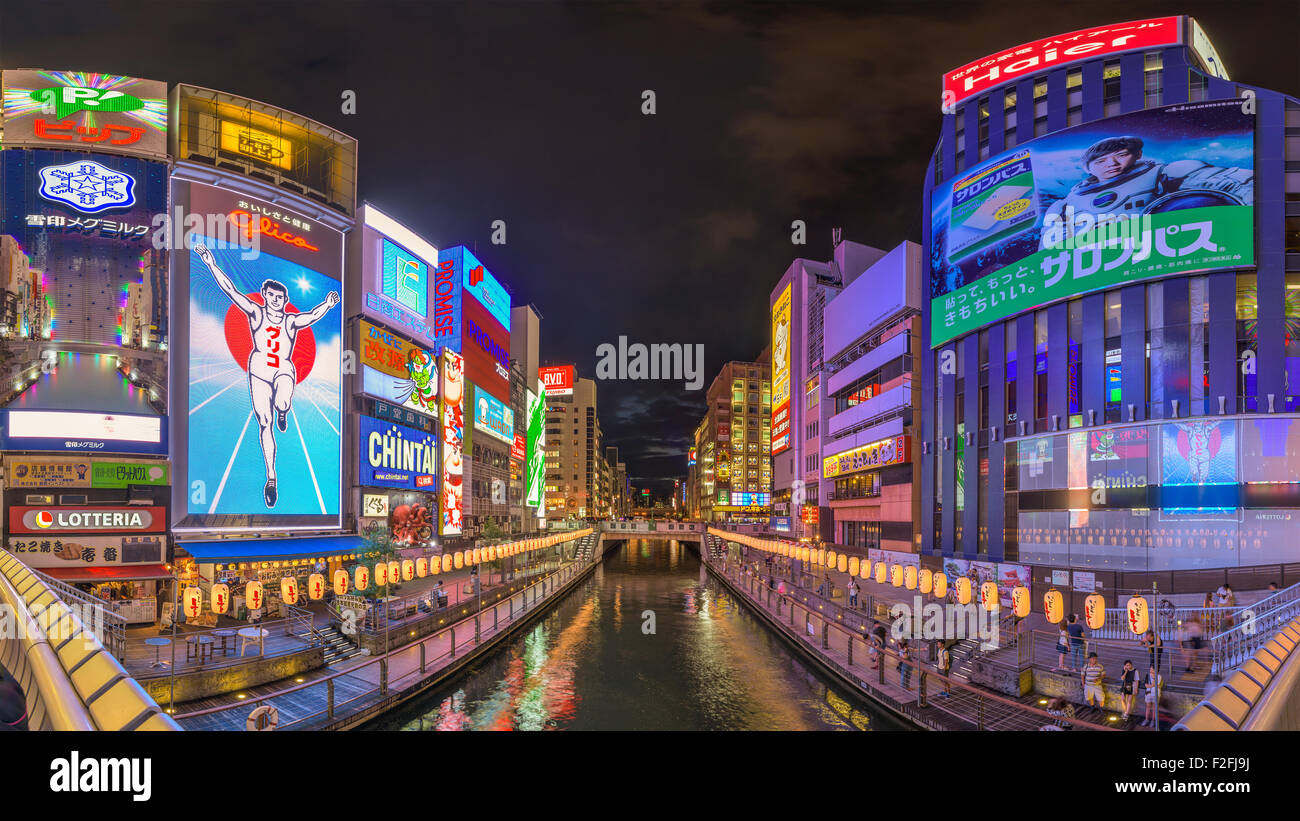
(493,417)
(396,456)
(86,225)
(1053,52)
(780,373)
(453,440)
(85,111)
(479,283)
(397,370)
(486,348)
(558,379)
(398,281)
(892,451)
(79,430)
(536,472)
(261,435)
(1162,191)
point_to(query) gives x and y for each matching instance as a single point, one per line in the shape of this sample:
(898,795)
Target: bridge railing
(70,681)
(1260,694)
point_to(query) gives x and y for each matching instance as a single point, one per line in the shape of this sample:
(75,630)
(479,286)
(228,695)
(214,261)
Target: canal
(648,642)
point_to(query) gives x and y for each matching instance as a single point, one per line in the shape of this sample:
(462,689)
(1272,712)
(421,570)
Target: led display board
(85,111)
(1053,52)
(892,451)
(1167,190)
(558,379)
(486,349)
(88,431)
(478,282)
(780,373)
(493,417)
(400,285)
(397,370)
(536,473)
(453,439)
(747,499)
(263,346)
(391,455)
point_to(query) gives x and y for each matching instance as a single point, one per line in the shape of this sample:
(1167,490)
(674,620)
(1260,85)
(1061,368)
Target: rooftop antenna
(837,236)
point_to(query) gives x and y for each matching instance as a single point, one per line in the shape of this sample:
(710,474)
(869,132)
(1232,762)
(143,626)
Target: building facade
(1112,384)
(732,479)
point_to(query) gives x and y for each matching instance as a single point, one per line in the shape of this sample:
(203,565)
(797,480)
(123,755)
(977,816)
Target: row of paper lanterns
(936,583)
(405,570)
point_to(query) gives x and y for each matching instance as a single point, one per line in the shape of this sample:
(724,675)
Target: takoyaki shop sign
(394,455)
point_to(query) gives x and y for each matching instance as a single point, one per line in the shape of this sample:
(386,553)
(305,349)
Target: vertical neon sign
(453,432)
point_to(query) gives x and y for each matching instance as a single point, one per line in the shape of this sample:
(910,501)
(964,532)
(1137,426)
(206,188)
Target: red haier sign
(1053,52)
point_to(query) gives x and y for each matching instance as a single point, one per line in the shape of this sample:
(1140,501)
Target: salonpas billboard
(1162,191)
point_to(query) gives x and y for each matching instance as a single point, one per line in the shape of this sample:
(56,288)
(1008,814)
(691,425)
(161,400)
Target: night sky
(669,228)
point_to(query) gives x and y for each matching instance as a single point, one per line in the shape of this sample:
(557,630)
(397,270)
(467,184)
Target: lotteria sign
(87,520)
(1053,52)
(396,456)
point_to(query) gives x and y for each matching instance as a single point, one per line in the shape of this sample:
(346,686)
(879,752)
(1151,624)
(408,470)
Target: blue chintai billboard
(395,456)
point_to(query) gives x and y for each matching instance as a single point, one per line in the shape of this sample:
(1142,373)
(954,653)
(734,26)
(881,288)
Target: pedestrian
(1076,642)
(1062,711)
(1152,684)
(1091,677)
(873,653)
(1155,647)
(1062,648)
(853,593)
(1127,682)
(945,669)
(904,668)
(1193,639)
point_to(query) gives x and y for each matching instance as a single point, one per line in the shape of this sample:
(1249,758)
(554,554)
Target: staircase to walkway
(337,646)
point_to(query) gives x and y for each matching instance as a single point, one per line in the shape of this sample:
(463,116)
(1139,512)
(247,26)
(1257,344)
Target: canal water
(648,642)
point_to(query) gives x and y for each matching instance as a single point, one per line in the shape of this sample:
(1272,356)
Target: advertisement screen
(558,379)
(85,111)
(399,280)
(1197,454)
(1054,52)
(493,417)
(392,455)
(781,372)
(536,475)
(486,348)
(519,448)
(453,440)
(479,283)
(1108,203)
(264,352)
(397,370)
(74,430)
(57,472)
(892,451)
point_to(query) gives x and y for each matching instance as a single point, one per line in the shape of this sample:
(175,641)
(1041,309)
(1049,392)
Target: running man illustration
(271,372)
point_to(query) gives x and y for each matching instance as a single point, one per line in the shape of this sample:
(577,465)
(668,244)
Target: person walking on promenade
(904,668)
(945,668)
(1092,676)
(1076,643)
(1193,639)
(1152,684)
(1127,681)
(1062,649)
(853,593)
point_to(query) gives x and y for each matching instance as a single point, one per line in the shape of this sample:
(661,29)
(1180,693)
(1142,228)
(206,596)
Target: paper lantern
(926,581)
(896,575)
(1020,601)
(289,589)
(492,554)
(220,598)
(864,569)
(1094,611)
(941,585)
(1138,620)
(340,582)
(381,574)
(447,563)
(458,559)
(827,557)
(1053,606)
(989,596)
(394,572)
(962,585)
(192,598)
(408,570)
(475,556)
(421,567)
(881,569)
(361,578)
(909,577)
(854,565)
(316,586)
(253,595)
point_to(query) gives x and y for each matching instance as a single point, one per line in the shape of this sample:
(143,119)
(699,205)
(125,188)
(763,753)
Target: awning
(108,573)
(258,550)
